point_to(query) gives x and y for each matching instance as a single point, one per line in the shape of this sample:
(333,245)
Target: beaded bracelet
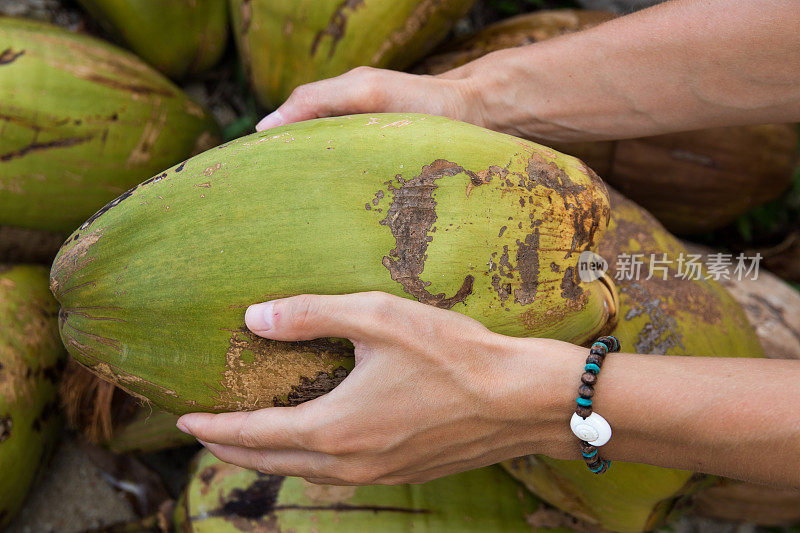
(593,430)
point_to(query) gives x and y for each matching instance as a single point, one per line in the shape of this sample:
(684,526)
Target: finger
(276,462)
(273,428)
(363,90)
(308,317)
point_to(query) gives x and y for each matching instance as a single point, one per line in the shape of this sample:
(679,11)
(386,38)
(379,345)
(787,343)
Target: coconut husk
(701,180)
(773,308)
(89,403)
(107,416)
(782,259)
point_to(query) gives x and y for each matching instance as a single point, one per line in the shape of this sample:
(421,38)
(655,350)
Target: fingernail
(180,425)
(270,121)
(260,317)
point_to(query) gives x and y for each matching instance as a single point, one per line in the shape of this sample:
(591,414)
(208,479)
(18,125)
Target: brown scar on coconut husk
(93,407)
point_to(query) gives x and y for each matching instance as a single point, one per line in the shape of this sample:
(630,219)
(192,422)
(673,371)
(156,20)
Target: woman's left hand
(433,393)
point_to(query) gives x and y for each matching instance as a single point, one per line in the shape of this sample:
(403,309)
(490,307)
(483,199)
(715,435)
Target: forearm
(727,416)
(678,66)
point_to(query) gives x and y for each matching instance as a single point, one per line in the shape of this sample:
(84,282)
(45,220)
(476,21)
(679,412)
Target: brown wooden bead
(593,462)
(586,447)
(598,351)
(594,359)
(586,391)
(605,467)
(610,343)
(589,378)
(582,411)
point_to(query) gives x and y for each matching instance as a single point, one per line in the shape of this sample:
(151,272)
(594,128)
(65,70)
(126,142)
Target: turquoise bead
(586,402)
(599,468)
(593,368)
(614,348)
(588,455)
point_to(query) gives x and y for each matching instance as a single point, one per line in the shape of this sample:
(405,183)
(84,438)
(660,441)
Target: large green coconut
(153,288)
(286,43)
(30,355)
(82,121)
(656,316)
(178,37)
(224,498)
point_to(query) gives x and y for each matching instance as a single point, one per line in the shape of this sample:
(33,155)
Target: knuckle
(334,441)
(265,466)
(245,436)
(304,95)
(317,438)
(362,71)
(370,85)
(377,305)
(300,312)
(324,443)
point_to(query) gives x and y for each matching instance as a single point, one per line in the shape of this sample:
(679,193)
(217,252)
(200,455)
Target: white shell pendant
(593,429)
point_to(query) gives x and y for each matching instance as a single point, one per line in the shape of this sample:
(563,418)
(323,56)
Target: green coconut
(286,43)
(30,358)
(656,316)
(225,498)
(178,37)
(82,121)
(153,287)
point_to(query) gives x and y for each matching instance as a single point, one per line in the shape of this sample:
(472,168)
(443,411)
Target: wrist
(542,391)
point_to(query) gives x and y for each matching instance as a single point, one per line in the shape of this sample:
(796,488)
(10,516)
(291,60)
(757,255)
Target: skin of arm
(434,392)
(678,66)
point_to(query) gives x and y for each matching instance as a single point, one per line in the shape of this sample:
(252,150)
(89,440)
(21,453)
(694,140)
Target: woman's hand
(433,393)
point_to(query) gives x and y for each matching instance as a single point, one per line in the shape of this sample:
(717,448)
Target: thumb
(310,316)
(368,90)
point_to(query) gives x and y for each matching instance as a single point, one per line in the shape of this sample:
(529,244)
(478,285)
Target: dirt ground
(73,496)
